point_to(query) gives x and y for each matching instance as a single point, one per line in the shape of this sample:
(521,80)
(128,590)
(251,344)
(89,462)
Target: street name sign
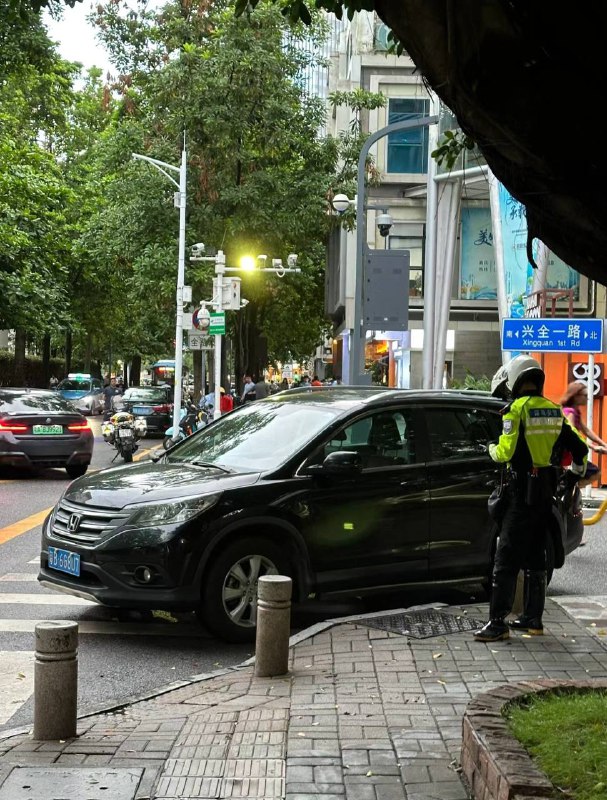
(550,335)
(218,324)
(199,341)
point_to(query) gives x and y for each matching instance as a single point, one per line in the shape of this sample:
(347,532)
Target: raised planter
(494,762)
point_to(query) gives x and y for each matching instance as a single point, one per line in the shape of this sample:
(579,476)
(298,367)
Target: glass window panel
(408,150)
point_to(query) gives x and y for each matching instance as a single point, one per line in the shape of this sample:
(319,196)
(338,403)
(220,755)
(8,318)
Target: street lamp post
(220,284)
(357,348)
(180,202)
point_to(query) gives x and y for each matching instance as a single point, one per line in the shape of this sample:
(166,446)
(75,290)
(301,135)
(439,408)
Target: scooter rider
(534,434)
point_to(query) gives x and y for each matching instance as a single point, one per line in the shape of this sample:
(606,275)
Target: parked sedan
(154,403)
(342,488)
(39,428)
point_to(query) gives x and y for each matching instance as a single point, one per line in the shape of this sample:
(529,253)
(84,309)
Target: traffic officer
(534,435)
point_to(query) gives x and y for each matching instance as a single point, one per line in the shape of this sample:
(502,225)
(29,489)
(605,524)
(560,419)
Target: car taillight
(12,427)
(163,409)
(78,426)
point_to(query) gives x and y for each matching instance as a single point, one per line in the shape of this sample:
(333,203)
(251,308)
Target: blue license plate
(141,409)
(64,561)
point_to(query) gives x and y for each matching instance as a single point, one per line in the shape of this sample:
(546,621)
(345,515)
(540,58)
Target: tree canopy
(507,69)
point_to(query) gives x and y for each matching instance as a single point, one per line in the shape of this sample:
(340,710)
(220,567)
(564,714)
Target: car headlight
(172,511)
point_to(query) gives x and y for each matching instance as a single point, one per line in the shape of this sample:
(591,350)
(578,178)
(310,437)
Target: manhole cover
(74,783)
(423,624)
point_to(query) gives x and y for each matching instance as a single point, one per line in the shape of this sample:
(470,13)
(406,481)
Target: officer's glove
(578,469)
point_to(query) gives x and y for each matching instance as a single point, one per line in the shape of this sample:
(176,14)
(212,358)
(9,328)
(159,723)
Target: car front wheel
(229,596)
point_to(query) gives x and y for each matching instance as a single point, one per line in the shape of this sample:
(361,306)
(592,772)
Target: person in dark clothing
(534,436)
(108,393)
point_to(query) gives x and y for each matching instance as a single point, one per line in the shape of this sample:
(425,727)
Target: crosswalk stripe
(16,681)
(20,576)
(44,599)
(24,525)
(88,626)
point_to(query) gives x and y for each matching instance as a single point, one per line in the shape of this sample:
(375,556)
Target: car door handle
(412,484)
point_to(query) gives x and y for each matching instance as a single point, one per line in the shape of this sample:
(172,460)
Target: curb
(494,762)
(297,638)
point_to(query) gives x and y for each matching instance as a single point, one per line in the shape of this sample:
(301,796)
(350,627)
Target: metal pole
(498,248)
(357,348)
(590,405)
(180,281)
(220,268)
(430,266)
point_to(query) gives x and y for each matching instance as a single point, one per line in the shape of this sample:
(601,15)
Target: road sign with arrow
(553,335)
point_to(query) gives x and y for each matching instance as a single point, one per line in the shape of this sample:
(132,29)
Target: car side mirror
(343,463)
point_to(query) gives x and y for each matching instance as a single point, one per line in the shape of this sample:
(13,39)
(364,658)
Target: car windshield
(28,402)
(74,386)
(257,436)
(145,395)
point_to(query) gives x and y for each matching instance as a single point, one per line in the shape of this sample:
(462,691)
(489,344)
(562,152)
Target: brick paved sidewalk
(363,714)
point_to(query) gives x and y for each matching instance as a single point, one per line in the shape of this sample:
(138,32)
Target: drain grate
(423,624)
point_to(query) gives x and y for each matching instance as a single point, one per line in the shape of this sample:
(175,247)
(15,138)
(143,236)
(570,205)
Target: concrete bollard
(56,680)
(273,625)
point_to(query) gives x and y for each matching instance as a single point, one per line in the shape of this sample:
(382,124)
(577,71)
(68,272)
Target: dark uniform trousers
(521,545)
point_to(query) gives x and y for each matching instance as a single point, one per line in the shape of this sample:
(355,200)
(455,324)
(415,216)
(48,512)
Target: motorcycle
(122,431)
(191,419)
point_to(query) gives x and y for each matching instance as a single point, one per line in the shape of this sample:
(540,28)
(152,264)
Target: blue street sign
(549,335)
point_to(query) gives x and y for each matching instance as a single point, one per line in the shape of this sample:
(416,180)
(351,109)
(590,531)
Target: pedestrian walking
(262,389)
(248,390)
(534,435)
(572,401)
(226,401)
(108,393)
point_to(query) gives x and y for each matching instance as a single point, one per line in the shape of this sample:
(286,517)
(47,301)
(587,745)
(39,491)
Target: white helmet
(522,368)
(498,383)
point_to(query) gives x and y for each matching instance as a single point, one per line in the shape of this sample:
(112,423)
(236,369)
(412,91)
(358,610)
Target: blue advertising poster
(478,275)
(518,270)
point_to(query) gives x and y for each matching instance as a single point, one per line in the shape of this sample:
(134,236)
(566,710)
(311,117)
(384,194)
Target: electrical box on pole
(386,290)
(230,294)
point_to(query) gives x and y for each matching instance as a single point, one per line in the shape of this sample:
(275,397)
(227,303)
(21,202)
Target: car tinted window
(257,436)
(146,395)
(457,433)
(28,402)
(74,386)
(383,439)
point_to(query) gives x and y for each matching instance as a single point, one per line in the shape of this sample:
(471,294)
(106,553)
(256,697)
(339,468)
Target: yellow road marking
(24,525)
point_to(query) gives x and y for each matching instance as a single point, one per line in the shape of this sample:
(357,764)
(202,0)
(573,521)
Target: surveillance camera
(277,263)
(243,302)
(198,249)
(262,259)
(384,223)
(292,259)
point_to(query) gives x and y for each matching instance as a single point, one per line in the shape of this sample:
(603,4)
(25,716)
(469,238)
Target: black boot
(502,597)
(494,631)
(530,620)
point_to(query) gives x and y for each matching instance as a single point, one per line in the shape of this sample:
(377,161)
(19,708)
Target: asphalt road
(126,655)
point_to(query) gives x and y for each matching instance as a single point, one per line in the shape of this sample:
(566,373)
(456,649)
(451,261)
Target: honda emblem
(73,523)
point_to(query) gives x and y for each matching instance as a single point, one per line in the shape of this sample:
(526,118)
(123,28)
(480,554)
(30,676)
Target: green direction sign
(218,324)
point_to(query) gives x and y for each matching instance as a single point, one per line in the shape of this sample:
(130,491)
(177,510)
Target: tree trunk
(87,354)
(68,351)
(135,371)
(46,358)
(20,338)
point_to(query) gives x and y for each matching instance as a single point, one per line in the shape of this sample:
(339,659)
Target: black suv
(342,488)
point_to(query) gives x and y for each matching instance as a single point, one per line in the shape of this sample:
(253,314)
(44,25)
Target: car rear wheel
(229,596)
(76,470)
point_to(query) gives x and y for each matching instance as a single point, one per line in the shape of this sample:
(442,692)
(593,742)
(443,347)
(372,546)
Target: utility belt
(538,485)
